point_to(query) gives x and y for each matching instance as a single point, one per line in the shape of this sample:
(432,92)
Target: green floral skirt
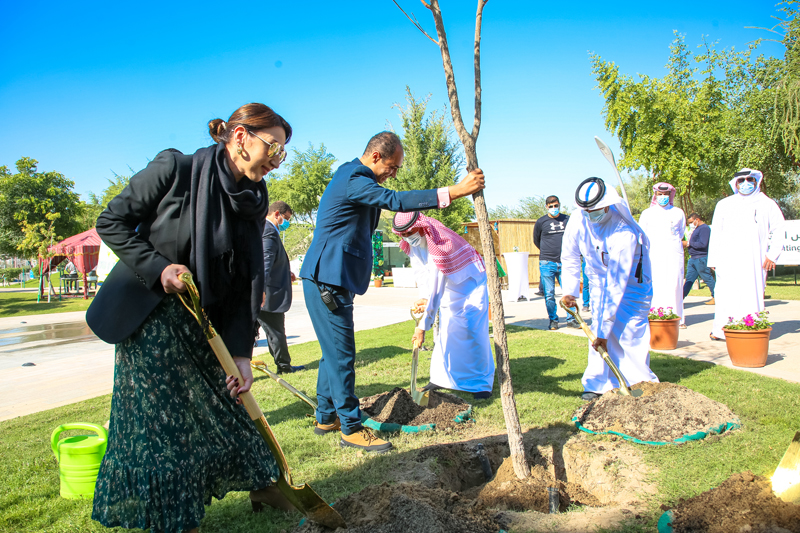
(176,437)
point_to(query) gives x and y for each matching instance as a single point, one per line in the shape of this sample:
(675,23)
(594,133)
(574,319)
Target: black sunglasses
(751,179)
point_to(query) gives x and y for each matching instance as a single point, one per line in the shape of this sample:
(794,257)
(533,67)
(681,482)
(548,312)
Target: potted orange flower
(664,328)
(748,340)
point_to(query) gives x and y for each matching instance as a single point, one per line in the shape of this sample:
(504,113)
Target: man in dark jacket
(697,245)
(278,280)
(547,235)
(338,265)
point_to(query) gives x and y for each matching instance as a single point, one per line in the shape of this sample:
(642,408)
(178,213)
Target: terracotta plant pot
(748,347)
(378,282)
(664,334)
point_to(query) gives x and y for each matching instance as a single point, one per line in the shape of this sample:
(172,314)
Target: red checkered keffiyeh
(448,250)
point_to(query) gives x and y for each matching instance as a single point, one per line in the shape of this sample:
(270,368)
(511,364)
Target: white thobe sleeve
(436,288)
(716,251)
(571,257)
(776,223)
(622,257)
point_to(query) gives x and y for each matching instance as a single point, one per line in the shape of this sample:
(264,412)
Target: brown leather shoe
(272,496)
(364,439)
(710,302)
(323,429)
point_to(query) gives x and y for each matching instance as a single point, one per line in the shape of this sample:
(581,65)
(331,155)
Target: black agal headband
(590,192)
(403,228)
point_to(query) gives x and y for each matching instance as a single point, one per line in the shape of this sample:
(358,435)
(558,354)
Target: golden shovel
(302,497)
(420,398)
(786,479)
(262,366)
(623,384)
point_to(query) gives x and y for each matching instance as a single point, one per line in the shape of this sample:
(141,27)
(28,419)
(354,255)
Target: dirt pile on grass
(398,407)
(743,502)
(664,412)
(410,507)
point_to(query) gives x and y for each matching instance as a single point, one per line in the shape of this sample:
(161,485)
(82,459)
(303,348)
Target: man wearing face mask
(452,280)
(740,252)
(664,225)
(278,280)
(697,246)
(616,251)
(547,234)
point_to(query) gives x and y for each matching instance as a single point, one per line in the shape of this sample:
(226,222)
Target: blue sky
(95,88)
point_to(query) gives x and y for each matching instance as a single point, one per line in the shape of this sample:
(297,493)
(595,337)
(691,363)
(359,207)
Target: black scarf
(226,255)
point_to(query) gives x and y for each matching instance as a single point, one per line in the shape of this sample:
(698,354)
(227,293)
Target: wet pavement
(72,365)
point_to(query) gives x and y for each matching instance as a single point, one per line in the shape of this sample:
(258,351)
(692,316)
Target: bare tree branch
(415,22)
(476,126)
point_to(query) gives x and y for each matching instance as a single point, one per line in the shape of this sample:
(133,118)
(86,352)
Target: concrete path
(71,364)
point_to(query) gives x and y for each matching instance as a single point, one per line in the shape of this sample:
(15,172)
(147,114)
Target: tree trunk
(518,456)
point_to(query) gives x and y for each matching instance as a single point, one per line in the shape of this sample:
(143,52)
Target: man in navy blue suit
(338,264)
(278,280)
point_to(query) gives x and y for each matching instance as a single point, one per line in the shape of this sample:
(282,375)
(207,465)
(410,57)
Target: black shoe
(431,386)
(589,396)
(289,369)
(540,293)
(522,299)
(554,324)
(585,309)
(483,395)
(573,324)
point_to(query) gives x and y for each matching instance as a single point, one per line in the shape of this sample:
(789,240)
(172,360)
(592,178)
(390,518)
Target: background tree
(22,195)
(468,140)
(432,158)
(37,238)
(97,204)
(301,186)
(530,207)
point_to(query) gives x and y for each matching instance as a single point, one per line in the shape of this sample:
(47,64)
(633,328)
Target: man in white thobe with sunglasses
(739,250)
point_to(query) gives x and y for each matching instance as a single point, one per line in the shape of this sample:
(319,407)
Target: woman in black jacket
(177,437)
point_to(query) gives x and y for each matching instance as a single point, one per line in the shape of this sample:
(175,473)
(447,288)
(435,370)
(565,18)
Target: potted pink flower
(664,328)
(747,340)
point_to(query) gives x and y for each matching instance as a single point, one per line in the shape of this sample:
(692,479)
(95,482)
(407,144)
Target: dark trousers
(698,266)
(273,326)
(336,379)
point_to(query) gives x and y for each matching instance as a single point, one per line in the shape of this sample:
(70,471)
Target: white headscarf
(746,172)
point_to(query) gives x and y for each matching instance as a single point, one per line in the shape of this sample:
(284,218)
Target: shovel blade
(786,480)
(311,504)
(420,398)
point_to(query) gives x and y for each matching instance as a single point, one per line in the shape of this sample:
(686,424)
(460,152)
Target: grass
(780,287)
(546,368)
(24,302)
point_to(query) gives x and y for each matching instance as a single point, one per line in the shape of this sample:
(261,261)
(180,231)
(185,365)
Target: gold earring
(239,149)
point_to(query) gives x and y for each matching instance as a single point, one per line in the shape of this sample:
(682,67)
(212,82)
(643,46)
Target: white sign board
(791,245)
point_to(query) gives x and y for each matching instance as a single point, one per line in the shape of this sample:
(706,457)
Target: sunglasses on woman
(275,149)
(751,179)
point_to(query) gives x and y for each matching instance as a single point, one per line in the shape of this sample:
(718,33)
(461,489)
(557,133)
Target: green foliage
(377,255)
(302,185)
(297,239)
(97,204)
(750,322)
(697,125)
(10,273)
(27,197)
(531,207)
(662,313)
(432,158)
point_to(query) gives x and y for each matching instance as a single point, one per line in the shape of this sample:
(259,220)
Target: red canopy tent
(82,249)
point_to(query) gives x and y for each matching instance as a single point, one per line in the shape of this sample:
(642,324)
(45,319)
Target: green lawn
(780,287)
(546,368)
(24,302)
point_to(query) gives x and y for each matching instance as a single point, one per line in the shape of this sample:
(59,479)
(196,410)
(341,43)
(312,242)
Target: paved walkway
(71,364)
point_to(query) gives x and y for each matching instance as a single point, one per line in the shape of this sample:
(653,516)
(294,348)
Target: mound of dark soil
(743,502)
(410,507)
(664,412)
(398,407)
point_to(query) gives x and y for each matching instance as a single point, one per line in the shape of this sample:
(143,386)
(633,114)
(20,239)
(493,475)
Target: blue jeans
(585,283)
(550,271)
(698,266)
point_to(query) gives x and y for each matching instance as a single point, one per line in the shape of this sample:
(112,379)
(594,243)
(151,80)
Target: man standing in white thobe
(452,280)
(739,250)
(618,266)
(664,224)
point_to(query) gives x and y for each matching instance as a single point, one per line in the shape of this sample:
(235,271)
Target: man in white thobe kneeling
(616,251)
(739,249)
(664,224)
(452,280)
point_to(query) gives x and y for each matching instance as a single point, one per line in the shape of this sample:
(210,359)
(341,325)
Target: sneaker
(585,309)
(365,440)
(710,302)
(289,369)
(589,396)
(573,324)
(431,386)
(540,293)
(483,395)
(322,429)
(553,324)
(522,299)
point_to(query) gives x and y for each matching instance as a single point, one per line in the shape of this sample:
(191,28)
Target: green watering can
(79,459)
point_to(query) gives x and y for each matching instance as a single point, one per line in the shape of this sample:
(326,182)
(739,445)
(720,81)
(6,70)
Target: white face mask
(597,216)
(692,226)
(414,239)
